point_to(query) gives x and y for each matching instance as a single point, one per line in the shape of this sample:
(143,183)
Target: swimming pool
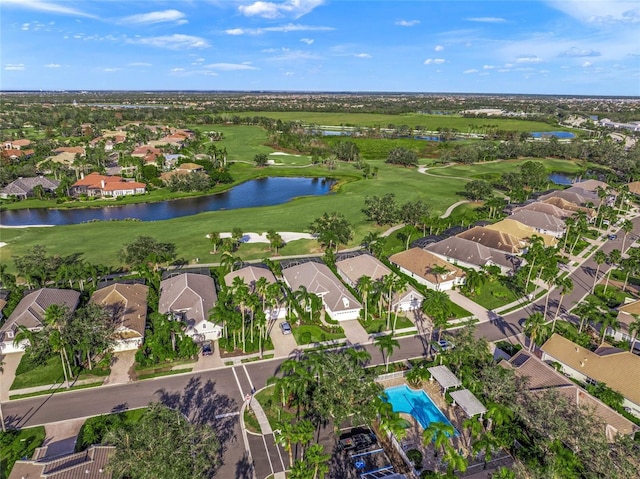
(416,403)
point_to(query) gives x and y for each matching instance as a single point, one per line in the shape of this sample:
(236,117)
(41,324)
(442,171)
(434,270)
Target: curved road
(583,277)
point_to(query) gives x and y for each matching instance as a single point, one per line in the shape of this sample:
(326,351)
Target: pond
(562,178)
(261,192)
(562,135)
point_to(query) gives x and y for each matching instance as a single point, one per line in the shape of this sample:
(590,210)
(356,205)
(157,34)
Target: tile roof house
(16,144)
(521,231)
(546,208)
(469,254)
(591,185)
(618,369)
(574,195)
(64,158)
(127,303)
(22,188)
(15,154)
(495,239)
(541,222)
(95,184)
(189,297)
(569,206)
(352,269)
(634,187)
(88,464)
(419,264)
(627,314)
(30,313)
(338,301)
(251,275)
(543,377)
(75,150)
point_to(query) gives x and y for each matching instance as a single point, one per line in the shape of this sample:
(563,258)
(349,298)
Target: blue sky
(589,47)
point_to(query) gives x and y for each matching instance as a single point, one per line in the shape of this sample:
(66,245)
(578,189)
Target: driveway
(354,332)
(10,363)
(212,361)
(283,344)
(61,437)
(121,367)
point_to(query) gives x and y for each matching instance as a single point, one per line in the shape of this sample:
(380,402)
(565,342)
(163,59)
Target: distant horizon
(517,47)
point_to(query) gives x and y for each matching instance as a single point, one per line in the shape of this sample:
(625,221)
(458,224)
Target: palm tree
(634,329)
(535,252)
(608,321)
(498,414)
(454,460)
(215,239)
(437,433)
(401,287)
(386,343)
(566,286)
(241,297)
(437,305)
(365,286)
(600,258)
(4,429)
(284,436)
(390,282)
(613,259)
(534,327)
(318,460)
(55,318)
(627,227)
(438,271)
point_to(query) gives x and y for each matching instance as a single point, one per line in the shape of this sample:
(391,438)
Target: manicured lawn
(15,445)
(494,295)
(273,408)
(310,333)
(48,373)
(380,325)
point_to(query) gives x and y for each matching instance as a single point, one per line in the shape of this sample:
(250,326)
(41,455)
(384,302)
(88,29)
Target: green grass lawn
(15,445)
(493,295)
(48,373)
(310,333)
(273,409)
(380,325)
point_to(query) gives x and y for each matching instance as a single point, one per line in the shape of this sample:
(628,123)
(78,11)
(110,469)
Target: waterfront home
(424,266)
(22,188)
(98,185)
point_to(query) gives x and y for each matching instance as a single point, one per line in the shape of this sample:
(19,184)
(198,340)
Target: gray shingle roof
(193,293)
(23,186)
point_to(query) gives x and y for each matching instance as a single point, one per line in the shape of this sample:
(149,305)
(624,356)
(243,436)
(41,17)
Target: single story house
(30,313)
(127,303)
(627,314)
(95,184)
(618,369)
(354,268)
(569,206)
(546,208)
(251,275)
(420,264)
(74,150)
(521,231)
(541,222)
(14,154)
(318,279)
(495,239)
(188,297)
(88,464)
(16,144)
(22,188)
(543,377)
(574,195)
(469,254)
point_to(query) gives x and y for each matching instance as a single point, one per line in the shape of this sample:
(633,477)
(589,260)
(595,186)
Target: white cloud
(486,19)
(362,55)
(282,29)
(156,17)
(308,41)
(52,65)
(579,52)
(587,64)
(229,67)
(528,59)
(14,66)
(42,6)
(288,8)
(438,48)
(288,74)
(25,26)
(172,42)
(111,69)
(488,67)
(600,12)
(435,61)
(139,64)
(471,70)
(177,69)
(407,23)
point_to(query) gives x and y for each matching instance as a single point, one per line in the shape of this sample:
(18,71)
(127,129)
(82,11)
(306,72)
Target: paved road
(511,324)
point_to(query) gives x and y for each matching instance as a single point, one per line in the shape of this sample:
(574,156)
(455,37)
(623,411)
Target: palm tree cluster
(382,294)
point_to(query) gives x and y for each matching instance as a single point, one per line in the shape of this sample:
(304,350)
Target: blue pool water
(563,135)
(416,403)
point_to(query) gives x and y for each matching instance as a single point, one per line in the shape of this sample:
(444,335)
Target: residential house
(354,268)
(627,314)
(16,144)
(546,208)
(183,169)
(541,222)
(22,188)
(250,275)
(30,313)
(492,238)
(189,297)
(420,264)
(14,154)
(592,185)
(88,464)
(618,369)
(318,279)
(569,206)
(521,231)
(64,158)
(574,195)
(634,187)
(127,303)
(146,150)
(95,184)
(469,254)
(74,150)
(542,377)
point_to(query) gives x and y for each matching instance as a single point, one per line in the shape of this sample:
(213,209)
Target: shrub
(415,456)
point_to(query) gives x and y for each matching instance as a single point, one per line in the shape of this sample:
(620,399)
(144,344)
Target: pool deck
(456,416)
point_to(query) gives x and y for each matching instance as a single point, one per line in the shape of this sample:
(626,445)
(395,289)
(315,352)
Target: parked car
(613,237)
(285,327)
(207,348)
(444,345)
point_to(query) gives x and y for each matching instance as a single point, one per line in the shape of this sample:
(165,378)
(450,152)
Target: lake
(563,135)
(261,192)
(562,178)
